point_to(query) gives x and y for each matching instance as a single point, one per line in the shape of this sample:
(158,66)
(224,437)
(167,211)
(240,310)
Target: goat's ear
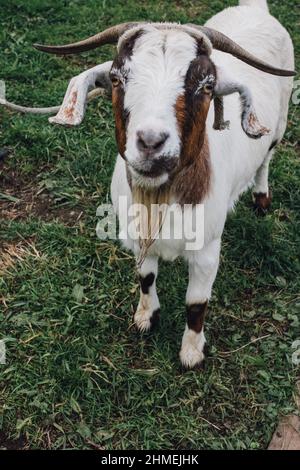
(249,120)
(219,123)
(72,110)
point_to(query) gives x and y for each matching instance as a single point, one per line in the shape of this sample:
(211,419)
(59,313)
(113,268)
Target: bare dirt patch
(21,197)
(11,444)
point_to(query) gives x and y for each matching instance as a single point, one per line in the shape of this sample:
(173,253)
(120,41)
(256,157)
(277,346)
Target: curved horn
(109,36)
(225,44)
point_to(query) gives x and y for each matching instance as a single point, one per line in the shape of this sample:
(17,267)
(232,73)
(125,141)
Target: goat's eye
(208,88)
(115,81)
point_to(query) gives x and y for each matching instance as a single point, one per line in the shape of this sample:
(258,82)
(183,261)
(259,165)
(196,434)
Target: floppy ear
(72,110)
(249,120)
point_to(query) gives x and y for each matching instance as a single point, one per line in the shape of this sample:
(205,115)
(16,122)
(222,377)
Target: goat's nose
(151,142)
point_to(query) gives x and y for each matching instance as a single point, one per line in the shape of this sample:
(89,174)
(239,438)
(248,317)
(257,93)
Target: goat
(162,82)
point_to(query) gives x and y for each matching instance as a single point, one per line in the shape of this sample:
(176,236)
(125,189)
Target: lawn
(77,373)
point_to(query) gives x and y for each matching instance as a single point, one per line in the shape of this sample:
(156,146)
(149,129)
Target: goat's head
(158,74)
(163,81)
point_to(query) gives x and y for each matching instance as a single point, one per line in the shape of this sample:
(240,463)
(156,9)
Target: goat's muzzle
(150,143)
(155,167)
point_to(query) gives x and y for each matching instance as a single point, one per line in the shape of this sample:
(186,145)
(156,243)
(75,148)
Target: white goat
(163,80)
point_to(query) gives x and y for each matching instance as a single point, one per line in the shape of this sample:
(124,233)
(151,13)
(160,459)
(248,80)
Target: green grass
(77,374)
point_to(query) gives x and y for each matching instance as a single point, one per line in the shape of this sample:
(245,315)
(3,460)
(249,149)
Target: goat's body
(162,83)
(235,158)
(237,162)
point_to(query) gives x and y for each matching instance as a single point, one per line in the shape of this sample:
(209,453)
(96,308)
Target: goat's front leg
(148,309)
(203,267)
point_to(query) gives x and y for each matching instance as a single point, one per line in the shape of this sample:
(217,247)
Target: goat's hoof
(145,319)
(191,358)
(262,202)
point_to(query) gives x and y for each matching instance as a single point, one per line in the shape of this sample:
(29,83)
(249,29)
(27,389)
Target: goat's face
(162,85)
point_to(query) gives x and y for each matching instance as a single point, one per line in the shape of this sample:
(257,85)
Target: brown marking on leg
(262,202)
(145,317)
(146,282)
(195,316)
(154,320)
(199,367)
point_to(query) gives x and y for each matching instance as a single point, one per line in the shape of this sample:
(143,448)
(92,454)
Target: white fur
(192,345)
(165,27)
(151,98)
(148,302)
(235,158)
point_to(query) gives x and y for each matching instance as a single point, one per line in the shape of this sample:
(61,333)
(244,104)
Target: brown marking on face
(192,180)
(180,113)
(195,316)
(120,119)
(194,136)
(118,92)
(69,110)
(127,46)
(262,202)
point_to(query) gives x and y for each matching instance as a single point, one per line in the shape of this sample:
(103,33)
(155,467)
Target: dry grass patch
(15,252)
